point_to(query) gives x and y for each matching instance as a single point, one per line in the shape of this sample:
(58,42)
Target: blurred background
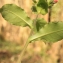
(13,38)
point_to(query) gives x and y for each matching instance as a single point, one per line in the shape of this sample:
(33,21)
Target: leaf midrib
(17,16)
(46,34)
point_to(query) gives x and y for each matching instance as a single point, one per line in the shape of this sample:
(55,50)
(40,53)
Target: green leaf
(41,7)
(51,32)
(50,3)
(40,23)
(15,15)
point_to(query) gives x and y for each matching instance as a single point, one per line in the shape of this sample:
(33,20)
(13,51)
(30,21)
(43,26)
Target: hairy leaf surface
(51,32)
(15,15)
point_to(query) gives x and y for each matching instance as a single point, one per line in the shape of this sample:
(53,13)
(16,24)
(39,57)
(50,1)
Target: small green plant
(48,32)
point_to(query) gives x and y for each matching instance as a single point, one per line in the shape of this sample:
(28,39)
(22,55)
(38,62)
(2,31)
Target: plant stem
(49,14)
(22,53)
(34,23)
(26,44)
(24,49)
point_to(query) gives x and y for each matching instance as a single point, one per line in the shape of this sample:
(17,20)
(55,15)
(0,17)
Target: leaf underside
(15,15)
(51,32)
